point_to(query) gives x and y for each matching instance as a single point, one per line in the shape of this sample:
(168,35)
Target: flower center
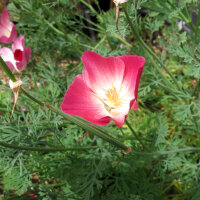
(112,99)
(18,55)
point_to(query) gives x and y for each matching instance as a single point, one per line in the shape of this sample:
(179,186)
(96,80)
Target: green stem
(58,23)
(12,146)
(147,49)
(80,122)
(197,25)
(7,70)
(99,43)
(66,37)
(170,91)
(88,127)
(134,133)
(44,149)
(187,19)
(89,6)
(167,82)
(121,39)
(161,153)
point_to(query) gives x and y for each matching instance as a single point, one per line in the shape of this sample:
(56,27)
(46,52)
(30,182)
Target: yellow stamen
(112,97)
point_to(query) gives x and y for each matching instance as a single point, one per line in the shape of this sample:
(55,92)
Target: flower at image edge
(8,31)
(18,57)
(106,90)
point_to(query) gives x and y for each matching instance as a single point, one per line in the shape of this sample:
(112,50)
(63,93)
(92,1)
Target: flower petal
(4,32)
(101,73)
(119,115)
(13,34)
(8,30)
(133,71)
(19,44)
(80,101)
(8,57)
(28,53)
(5,17)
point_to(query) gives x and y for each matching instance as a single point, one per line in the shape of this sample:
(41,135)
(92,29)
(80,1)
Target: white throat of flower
(8,33)
(112,99)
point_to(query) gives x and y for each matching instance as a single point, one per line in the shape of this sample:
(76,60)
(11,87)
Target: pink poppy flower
(18,57)
(8,31)
(106,90)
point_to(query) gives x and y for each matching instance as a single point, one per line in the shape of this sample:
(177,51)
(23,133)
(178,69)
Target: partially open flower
(8,31)
(117,2)
(106,90)
(18,57)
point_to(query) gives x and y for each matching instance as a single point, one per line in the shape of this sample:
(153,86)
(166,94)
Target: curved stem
(197,24)
(187,19)
(89,6)
(13,146)
(161,153)
(7,70)
(134,133)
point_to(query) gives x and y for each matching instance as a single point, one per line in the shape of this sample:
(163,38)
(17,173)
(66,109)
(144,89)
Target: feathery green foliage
(167,122)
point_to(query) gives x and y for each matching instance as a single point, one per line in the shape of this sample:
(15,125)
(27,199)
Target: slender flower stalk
(134,133)
(7,70)
(159,153)
(162,153)
(45,149)
(197,24)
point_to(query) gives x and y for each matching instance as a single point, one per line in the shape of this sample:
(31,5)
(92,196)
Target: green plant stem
(162,153)
(80,122)
(99,43)
(121,39)
(134,133)
(89,6)
(187,19)
(66,37)
(7,70)
(166,81)
(58,23)
(88,127)
(44,149)
(170,91)
(197,25)
(147,49)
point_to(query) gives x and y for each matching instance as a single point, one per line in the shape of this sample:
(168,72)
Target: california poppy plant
(8,31)
(18,57)
(106,90)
